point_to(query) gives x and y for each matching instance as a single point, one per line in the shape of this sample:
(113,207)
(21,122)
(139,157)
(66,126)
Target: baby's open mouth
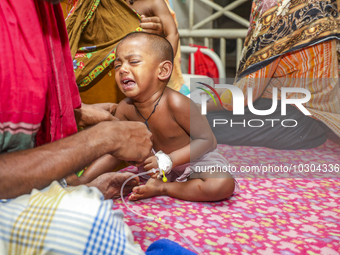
(128,84)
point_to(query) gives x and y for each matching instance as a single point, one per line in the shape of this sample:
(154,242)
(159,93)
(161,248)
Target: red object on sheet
(204,65)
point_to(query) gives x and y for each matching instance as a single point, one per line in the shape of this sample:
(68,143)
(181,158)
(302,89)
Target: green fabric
(15,142)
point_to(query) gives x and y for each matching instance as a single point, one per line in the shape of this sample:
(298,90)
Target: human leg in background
(241,130)
(314,68)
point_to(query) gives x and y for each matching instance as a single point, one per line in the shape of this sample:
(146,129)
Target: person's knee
(304,132)
(227,186)
(222,188)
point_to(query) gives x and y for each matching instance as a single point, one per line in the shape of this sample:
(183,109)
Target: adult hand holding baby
(88,115)
(152,25)
(110,183)
(132,140)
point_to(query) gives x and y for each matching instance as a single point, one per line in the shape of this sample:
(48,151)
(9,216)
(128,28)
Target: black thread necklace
(153,111)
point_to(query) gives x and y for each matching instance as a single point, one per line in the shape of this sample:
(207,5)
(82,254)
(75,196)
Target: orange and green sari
(94,29)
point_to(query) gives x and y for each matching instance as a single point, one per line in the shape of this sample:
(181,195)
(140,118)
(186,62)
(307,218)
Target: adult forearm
(173,39)
(22,171)
(88,115)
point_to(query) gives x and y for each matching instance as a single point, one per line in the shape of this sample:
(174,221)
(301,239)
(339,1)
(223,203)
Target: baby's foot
(153,187)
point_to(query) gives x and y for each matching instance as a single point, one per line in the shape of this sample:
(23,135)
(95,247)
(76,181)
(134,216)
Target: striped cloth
(281,26)
(315,68)
(38,88)
(57,220)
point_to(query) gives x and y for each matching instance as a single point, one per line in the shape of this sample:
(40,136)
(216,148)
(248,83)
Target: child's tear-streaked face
(135,68)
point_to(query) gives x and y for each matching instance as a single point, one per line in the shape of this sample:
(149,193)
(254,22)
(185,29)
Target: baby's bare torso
(168,135)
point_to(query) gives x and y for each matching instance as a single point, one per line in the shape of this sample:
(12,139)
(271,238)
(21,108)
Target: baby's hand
(153,175)
(150,162)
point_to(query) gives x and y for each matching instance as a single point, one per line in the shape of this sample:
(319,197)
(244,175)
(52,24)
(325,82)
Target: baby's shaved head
(157,44)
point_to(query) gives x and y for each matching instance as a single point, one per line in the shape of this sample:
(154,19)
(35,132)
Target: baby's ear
(165,69)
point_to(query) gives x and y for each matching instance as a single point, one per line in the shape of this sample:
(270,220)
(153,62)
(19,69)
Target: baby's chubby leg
(104,164)
(213,188)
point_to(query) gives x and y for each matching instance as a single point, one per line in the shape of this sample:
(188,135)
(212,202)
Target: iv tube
(150,217)
(121,193)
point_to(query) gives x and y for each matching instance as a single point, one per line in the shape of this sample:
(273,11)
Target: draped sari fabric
(281,26)
(95,28)
(293,43)
(37,87)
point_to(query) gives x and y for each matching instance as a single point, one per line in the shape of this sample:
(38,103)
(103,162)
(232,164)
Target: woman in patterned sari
(291,44)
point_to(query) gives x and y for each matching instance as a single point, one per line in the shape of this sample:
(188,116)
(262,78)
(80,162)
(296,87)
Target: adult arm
(152,25)
(121,115)
(91,114)
(160,9)
(104,164)
(22,171)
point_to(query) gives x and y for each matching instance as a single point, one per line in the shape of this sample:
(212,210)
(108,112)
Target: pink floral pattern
(268,216)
